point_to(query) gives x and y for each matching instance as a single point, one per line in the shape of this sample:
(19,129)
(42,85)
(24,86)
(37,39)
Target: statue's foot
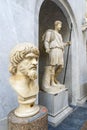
(54,88)
(61,86)
(56,81)
(54,84)
(58,85)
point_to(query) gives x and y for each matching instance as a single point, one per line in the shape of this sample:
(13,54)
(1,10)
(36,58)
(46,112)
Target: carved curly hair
(18,54)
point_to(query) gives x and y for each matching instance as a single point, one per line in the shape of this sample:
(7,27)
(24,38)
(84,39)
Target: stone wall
(16,26)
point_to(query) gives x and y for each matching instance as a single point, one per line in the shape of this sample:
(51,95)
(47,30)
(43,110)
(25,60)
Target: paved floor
(73,122)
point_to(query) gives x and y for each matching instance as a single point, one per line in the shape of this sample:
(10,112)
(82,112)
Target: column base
(56,120)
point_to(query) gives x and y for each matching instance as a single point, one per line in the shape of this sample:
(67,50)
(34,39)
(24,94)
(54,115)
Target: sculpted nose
(34,61)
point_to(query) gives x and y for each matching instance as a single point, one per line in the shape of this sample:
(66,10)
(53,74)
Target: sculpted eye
(37,59)
(30,58)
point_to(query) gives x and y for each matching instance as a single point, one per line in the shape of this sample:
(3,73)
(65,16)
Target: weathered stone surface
(84,127)
(37,122)
(57,105)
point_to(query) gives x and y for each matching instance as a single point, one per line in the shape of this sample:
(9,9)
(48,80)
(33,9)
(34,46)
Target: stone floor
(73,122)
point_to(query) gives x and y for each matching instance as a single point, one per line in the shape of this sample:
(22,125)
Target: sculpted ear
(12,69)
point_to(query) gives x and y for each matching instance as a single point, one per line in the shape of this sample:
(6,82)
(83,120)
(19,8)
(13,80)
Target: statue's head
(58,25)
(23,60)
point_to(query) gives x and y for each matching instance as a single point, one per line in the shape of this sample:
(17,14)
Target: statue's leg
(52,76)
(57,72)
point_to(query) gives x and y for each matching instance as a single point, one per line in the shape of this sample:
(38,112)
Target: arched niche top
(49,13)
(65,7)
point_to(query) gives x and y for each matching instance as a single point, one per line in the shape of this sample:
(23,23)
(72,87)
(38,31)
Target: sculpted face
(59,26)
(28,66)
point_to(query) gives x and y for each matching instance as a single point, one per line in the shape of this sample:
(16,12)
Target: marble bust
(54,46)
(23,69)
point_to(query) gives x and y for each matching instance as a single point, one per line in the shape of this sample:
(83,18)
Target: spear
(67,55)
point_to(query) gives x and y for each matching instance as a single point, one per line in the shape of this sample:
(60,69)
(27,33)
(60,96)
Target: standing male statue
(23,69)
(54,46)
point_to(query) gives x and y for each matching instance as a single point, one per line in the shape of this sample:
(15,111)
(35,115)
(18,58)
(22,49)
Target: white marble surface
(55,103)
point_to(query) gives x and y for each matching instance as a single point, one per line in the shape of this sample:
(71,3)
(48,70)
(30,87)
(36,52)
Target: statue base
(57,105)
(84,127)
(54,89)
(36,122)
(24,110)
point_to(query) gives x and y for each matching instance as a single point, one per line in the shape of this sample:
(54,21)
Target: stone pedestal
(84,127)
(37,122)
(57,105)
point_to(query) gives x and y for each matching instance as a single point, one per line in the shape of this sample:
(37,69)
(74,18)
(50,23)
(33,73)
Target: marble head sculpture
(23,69)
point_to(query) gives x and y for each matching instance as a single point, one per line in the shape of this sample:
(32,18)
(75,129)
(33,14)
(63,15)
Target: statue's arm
(47,41)
(67,44)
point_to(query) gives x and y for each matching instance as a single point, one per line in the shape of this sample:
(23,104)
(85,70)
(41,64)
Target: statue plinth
(54,89)
(57,105)
(84,127)
(36,122)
